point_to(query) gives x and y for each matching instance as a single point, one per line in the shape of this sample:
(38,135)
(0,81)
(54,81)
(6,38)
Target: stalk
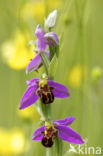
(58,146)
(49,152)
(46,109)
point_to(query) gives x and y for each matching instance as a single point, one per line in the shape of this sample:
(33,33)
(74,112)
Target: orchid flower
(59,128)
(43,40)
(44,89)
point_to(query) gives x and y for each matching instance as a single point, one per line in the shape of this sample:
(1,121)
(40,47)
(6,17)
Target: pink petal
(29,97)
(38,135)
(69,135)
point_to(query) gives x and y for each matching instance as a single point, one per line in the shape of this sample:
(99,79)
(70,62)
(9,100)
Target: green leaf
(56,50)
(46,61)
(52,67)
(53,51)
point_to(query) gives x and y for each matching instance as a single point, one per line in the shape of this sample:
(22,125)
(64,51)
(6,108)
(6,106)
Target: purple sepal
(66,121)
(29,97)
(34,64)
(33,81)
(60,91)
(41,44)
(69,135)
(38,134)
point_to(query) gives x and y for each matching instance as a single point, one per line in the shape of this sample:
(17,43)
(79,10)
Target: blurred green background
(80,68)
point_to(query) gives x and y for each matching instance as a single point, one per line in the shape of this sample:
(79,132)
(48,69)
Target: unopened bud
(51,19)
(51,39)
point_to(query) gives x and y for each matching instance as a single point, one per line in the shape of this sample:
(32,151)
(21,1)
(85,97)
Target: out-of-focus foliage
(80,68)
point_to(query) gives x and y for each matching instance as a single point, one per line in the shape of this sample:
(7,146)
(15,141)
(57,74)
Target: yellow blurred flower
(39,8)
(36,10)
(17,141)
(76,74)
(12,142)
(29,114)
(17,53)
(54,4)
(96,73)
(4,142)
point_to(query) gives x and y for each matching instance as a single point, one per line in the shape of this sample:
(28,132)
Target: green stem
(46,109)
(39,109)
(49,152)
(58,146)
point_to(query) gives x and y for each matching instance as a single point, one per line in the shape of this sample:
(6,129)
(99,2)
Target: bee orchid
(59,128)
(46,90)
(43,40)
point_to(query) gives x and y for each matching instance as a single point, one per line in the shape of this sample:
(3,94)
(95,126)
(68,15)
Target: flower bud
(51,39)
(51,19)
